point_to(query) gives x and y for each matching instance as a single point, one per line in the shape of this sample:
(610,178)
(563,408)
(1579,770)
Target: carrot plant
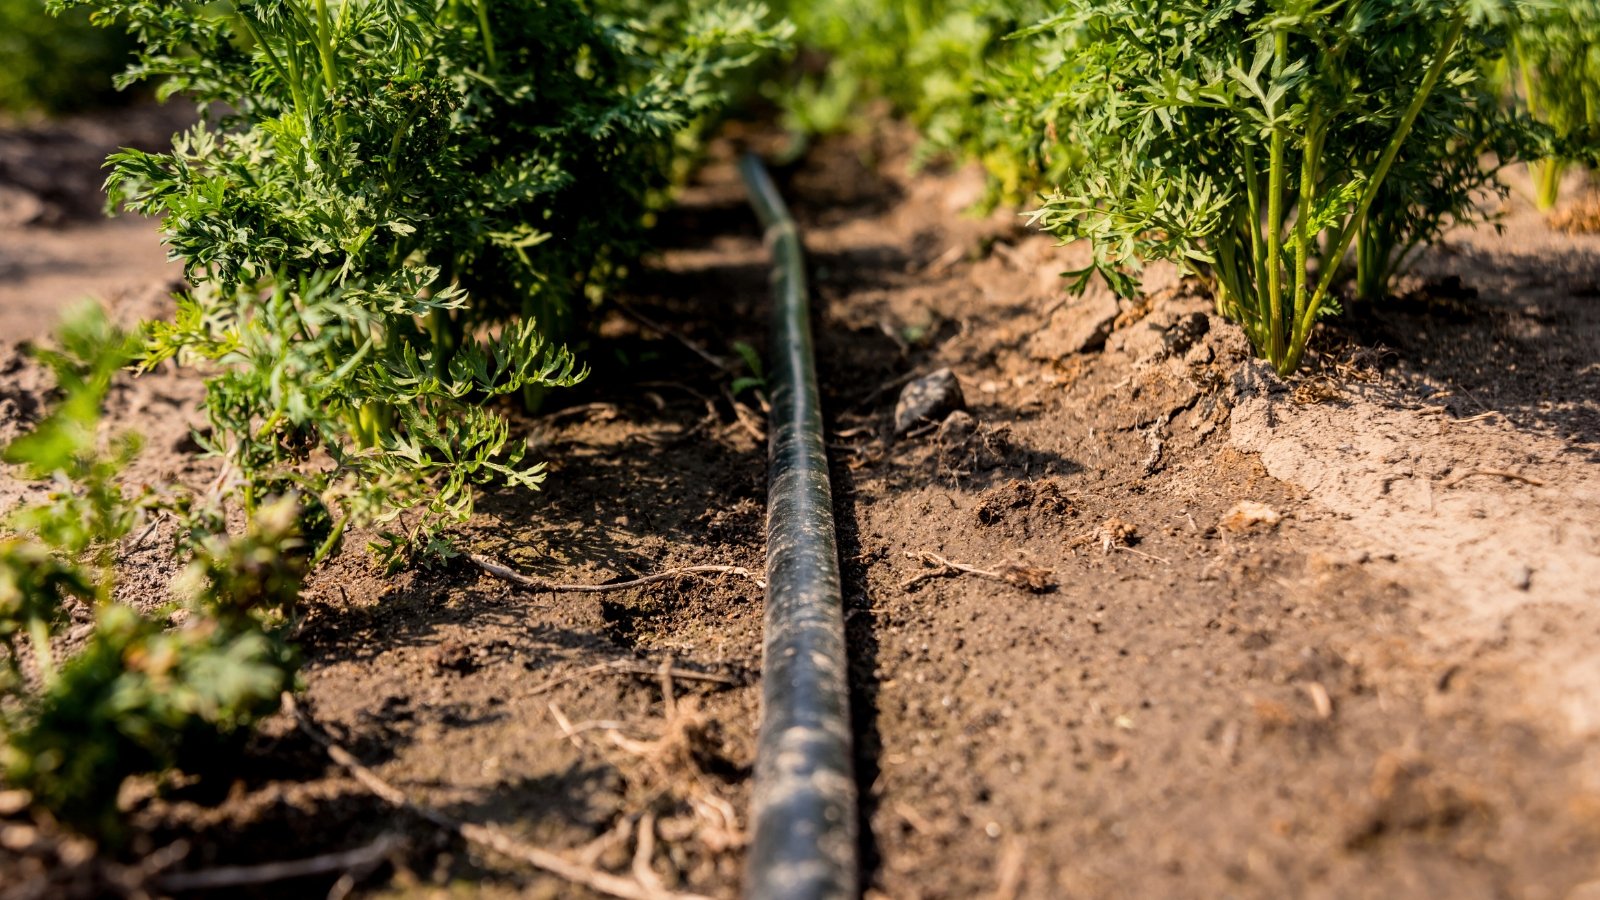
(397,212)
(1258,143)
(938,63)
(1555,59)
(92,690)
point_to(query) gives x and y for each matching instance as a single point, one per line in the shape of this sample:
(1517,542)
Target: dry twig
(693,347)
(1009,870)
(672,759)
(360,859)
(944,261)
(745,417)
(539,585)
(1137,552)
(1493,473)
(609,410)
(1029,578)
(485,836)
(625,667)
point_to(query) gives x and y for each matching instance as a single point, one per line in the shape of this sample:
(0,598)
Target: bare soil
(1324,638)
(56,244)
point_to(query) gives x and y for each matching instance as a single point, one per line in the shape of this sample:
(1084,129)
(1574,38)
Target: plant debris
(1029,578)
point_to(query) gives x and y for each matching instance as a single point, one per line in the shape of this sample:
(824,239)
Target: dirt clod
(1114,533)
(1185,332)
(957,428)
(455,656)
(1249,515)
(1080,325)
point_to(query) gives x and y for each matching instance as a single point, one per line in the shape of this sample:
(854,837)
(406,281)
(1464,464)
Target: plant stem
(483,31)
(39,633)
(1347,234)
(1546,173)
(1547,181)
(330,63)
(1258,250)
(332,541)
(330,70)
(1274,226)
(1307,200)
(289,76)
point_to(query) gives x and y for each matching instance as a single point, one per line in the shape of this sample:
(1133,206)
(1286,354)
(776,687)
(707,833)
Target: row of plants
(1288,152)
(1553,65)
(396,218)
(399,216)
(936,63)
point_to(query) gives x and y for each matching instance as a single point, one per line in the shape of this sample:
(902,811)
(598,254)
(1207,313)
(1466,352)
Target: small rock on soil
(928,399)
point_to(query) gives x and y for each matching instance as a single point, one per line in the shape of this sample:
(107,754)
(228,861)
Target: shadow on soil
(1508,332)
(863,370)
(298,826)
(861,637)
(694,226)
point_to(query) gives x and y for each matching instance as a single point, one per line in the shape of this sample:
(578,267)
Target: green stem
(1348,232)
(1364,259)
(367,426)
(1547,182)
(397,143)
(39,633)
(1226,271)
(441,331)
(1307,201)
(343,372)
(1525,76)
(1274,225)
(1258,249)
(332,542)
(1546,173)
(330,67)
(330,63)
(289,79)
(483,31)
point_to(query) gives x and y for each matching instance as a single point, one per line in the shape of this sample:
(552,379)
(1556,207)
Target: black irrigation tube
(804,843)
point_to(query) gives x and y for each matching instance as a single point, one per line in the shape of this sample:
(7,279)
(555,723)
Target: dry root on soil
(1492,473)
(666,767)
(1029,578)
(491,838)
(539,585)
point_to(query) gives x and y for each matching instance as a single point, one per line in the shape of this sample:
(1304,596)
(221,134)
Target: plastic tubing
(804,809)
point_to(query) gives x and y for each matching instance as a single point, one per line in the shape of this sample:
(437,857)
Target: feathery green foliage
(410,204)
(1556,61)
(1256,143)
(405,206)
(950,66)
(137,697)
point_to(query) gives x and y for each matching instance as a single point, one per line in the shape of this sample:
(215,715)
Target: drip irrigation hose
(804,818)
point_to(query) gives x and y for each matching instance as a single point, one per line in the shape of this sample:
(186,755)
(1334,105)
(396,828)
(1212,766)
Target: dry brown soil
(1378,680)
